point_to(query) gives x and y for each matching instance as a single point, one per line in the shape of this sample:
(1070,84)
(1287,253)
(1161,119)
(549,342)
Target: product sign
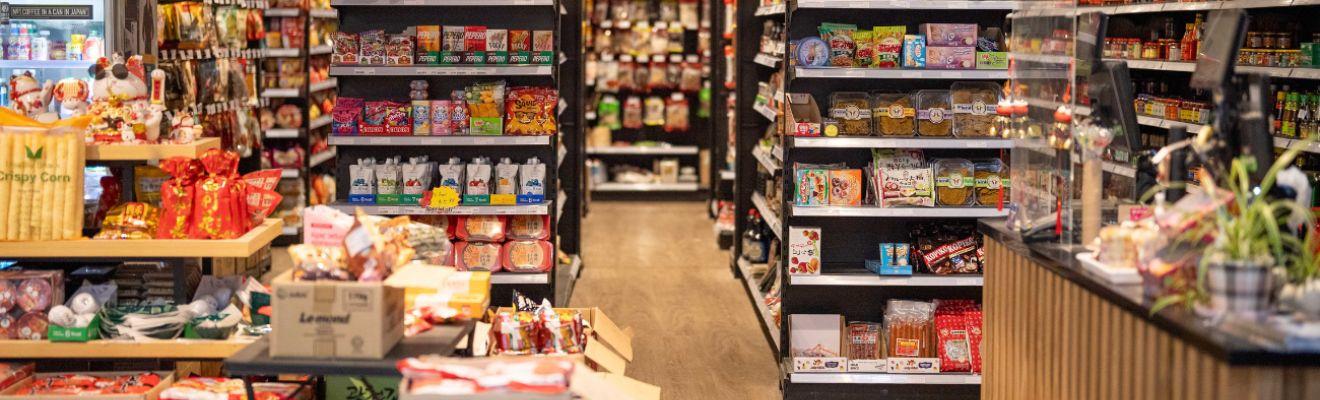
(44,11)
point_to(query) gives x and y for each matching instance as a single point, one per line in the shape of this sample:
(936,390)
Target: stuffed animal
(72,93)
(27,95)
(418,91)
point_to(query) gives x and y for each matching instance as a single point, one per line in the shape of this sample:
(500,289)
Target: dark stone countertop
(1234,346)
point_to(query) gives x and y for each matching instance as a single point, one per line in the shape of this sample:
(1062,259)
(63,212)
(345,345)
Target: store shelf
(289,173)
(758,300)
(766,111)
(839,142)
(320,121)
(1166,124)
(877,280)
(509,278)
(1287,143)
(283,53)
(323,85)
(646,187)
(177,349)
(876,73)
(645,150)
(1183,66)
(284,133)
(898,212)
(440,140)
(46,64)
(886,379)
(1041,58)
(323,156)
(904,4)
(373,209)
(142,152)
(321,50)
(440,3)
(327,13)
(283,12)
(774,9)
(438,70)
(768,215)
(243,246)
(276,93)
(767,60)
(764,158)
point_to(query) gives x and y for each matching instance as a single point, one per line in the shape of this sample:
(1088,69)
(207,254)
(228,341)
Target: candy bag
(176,197)
(219,208)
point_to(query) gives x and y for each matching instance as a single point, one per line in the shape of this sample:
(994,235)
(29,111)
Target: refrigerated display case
(52,41)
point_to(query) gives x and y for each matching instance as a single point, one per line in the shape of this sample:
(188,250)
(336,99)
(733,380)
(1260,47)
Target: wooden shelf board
(199,349)
(244,246)
(130,152)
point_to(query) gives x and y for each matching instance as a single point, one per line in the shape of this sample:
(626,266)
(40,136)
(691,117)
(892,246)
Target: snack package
(506,177)
(131,220)
(933,113)
(147,181)
(974,108)
(938,57)
(346,116)
(421,117)
(888,46)
(954,182)
(453,44)
(914,51)
(389,182)
(497,46)
(371,50)
(852,110)
(362,182)
(949,35)
(908,326)
(451,175)
(900,187)
(513,333)
(527,256)
(105,385)
(867,45)
(677,118)
(373,117)
(219,211)
(399,50)
(846,187)
(543,47)
(480,228)
(863,342)
(894,114)
(813,186)
(477,256)
(417,176)
(520,46)
(947,248)
(632,113)
(428,44)
(398,118)
(531,182)
(529,227)
(992,182)
(843,48)
(654,111)
(530,111)
(474,40)
(431,243)
(325,226)
(458,113)
(562,331)
(952,330)
(477,186)
(176,197)
(376,246)
(440,121)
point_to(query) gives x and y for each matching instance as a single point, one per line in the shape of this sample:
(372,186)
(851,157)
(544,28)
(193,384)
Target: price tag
(388,210)
(364,71)
(379,141)
(443,197)
(977,144)
(483,141)
(910,74)
(903,212)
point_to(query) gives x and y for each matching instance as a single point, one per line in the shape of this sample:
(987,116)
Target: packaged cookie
(852,111)
(894,114)
(477,256)
(906,187)
(846,187)
(399,50)
(480,228)
(933,110)
(371,50)
(974,106)
(843,49)
(529,227)
(954,182)
(991,181)
(346,49)
(528,256)
(813,185)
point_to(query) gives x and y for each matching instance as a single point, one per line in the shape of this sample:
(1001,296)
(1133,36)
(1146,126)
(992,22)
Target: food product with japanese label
(954,182)
(948,248)
(888,45)
(843,48)
(371,47)
(900,187)
(529,227)
(846,187)
(482,228)
(852,110)
(812,52)
(527,256)
(864,341)
(909,329)
(866,47)
(477,256)
(894,114)
(813,186)
(974,106)
(933,113)
(992,182)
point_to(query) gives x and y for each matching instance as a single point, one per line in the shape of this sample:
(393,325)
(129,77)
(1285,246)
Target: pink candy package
(441,124)
(346,116)
(398,118)
(458,113)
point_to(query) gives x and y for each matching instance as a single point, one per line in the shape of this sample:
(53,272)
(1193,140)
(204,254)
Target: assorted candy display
(932,46)
(903,178)
(478,182)
(543,330)
(439,376)
(480,109)
(445,45)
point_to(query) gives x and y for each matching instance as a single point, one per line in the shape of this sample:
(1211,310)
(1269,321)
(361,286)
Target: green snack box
(489,126)
(520,57)
(991,60)
(1310,53)
(58,333)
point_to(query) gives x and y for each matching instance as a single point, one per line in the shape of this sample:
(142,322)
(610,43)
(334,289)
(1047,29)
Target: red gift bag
(219,205)
(176,197)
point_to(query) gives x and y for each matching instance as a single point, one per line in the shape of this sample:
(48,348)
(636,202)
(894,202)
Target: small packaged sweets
(852,110)
(346,49)
(497,46)
(949,35)
(520,46)
(440,123)
(933,113)
(399,50)
(954,182)
(938,57)
(346,116)
(914,51)
(846,187)
(452,44)
(812,187)
(398,118)
(428,44)
(543,47)
(974,106)
(904,187)
(372,47)
(421,117)
(894,114)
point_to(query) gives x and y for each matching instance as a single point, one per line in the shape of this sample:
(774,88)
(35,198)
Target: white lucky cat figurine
(126,81)
(72,93)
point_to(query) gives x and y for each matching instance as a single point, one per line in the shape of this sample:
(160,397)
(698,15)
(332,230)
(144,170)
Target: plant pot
(1240,286)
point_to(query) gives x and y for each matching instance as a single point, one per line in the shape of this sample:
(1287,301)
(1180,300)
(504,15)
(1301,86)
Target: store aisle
(655,267)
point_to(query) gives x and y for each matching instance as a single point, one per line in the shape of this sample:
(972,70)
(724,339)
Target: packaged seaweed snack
(852,111)
(843,49)
(933,113)
(974,108)
(894,114)
(991,182)
(954,182)
(888,46)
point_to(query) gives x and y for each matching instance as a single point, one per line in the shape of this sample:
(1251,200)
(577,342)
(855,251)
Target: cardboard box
(58,333)
(949,34)
(913,365)
(330,319)
(166,379)
(467,291)
(814,334)
(584,383)
(991,60)
(608,349)
(803,115)
(950,57)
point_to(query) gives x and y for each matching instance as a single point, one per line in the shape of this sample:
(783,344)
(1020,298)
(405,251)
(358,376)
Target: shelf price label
(364,71)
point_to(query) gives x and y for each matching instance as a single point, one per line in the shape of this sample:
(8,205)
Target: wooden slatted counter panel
(1049,338)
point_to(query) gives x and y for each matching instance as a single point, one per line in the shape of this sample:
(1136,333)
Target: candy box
(81,386)
(991,60)
(25,297)
(804,250)
(893,260)
(950,57)
(951,35)
(520,46)
(914,51)
(497,46)
(543,47)
(399,50)
(335,319)
(421,117)
(428,44)
(371,49)
(474,40)
(346,49)
(452,44)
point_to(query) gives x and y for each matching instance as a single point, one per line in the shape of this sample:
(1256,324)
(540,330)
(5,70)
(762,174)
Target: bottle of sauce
(1188,45)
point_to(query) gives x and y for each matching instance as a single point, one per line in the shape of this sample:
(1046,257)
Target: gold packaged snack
(852,110)
(933,113)
(954,182)
(477,256)
(130,220)
(894,114)
(974,108)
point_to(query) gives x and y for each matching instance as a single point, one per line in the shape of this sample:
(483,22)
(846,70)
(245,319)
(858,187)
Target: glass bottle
(753,245)
(1188,44)
(74,50)
(41,46)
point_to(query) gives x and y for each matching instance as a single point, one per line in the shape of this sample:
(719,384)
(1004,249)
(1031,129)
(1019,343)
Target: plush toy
(72,93)
(27,95)
(418,91)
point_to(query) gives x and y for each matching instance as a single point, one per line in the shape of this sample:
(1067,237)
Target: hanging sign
(44,11)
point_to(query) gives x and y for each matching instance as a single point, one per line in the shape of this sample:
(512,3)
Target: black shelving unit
(391,82)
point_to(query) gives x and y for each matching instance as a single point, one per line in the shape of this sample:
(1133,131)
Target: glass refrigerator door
(52,39)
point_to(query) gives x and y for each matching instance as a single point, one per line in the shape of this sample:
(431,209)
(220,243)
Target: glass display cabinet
(52,41)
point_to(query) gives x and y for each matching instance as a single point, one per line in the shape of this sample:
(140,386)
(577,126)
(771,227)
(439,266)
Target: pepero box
(543,47)
(520,46)
(497,46)
(452,44)
(428,45)
(474,41)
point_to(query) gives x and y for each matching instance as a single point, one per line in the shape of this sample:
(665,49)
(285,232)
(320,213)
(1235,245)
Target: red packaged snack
(480,228)
(34,295)
(513,333)
(265,179)
(528,256)
(561,332)
(8,296)
(219,206)
(974,335)
(12,373)
(346,49)
(176,197)
(529,227)
(477,256)
(72,385)
(474,38)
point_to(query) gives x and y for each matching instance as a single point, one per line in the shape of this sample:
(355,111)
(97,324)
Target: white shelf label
(364,71)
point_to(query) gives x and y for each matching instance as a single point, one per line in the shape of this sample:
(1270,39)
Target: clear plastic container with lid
(934,113)
(955,182)
(895,114)
(974,108)
(853,112)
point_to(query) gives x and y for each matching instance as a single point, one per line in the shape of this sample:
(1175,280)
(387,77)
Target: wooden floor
(655,267)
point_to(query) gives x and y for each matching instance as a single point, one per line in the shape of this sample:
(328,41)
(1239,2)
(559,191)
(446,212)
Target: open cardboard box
(608,349)
(817,333)
(334,319)
(467,291)
(803,115)
(166,380)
